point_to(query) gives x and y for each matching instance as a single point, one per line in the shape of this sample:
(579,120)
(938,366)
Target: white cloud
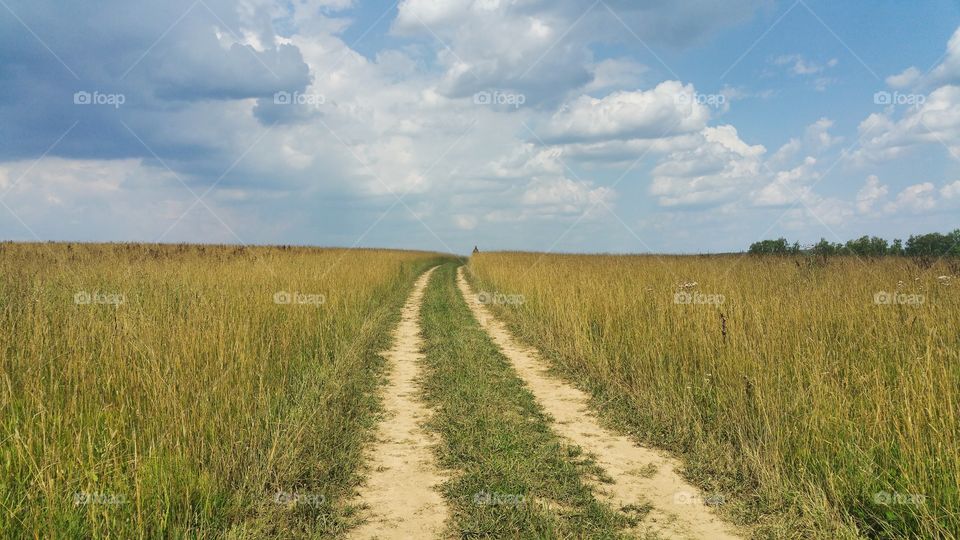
(616,73)
(721,167)
(465,222)
(788,186)
(118,199)
(816,140)
(870,194)
(799,65)
(936,122)
(915,198)
(564,195)
(946,72)
(543,48)
(401,119)
(905,79)
(667,109)
(951,191)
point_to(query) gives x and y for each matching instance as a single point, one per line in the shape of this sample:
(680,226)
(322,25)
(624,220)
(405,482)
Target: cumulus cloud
(542,47)
(395,116)
(946,72)
(870,194)
(721,167)
(883,136)
(787,186)
(667,109)
(951,191)
(616,73)
(915,198)
(565,196)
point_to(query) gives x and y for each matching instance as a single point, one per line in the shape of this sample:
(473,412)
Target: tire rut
(640,475)
(400,493)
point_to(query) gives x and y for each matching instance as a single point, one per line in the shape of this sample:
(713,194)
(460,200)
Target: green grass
(514,477)
(187,409)
(816,411)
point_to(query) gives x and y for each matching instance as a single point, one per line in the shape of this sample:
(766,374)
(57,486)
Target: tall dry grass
(197,407)
(816,411)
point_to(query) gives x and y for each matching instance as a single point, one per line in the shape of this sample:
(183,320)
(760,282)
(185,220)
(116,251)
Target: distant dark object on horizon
(924,245)
(475,250)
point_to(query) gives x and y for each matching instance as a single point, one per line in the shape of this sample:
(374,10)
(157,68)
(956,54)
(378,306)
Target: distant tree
(825,247)
(867,246)
(770,247)
(954,250)
(896,249)
(929,246)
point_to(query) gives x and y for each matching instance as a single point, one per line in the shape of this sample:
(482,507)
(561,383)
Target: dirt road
(640,475)
(401,490)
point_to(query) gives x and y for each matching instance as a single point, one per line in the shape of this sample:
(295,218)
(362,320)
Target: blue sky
(565,125)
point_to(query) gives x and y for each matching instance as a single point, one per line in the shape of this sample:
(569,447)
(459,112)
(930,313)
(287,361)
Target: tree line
(922,245)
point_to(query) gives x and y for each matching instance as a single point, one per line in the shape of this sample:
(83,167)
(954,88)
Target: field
(814,397)
(163,391)
(158,391)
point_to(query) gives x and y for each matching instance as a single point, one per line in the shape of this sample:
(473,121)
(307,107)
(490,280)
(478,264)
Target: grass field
(211,391)
(201,391)
(820,397)
(518,477)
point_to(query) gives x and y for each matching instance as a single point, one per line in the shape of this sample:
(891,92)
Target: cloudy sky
(561,125)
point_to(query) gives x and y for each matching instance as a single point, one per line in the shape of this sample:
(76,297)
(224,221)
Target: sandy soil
(640,475)
(400,493)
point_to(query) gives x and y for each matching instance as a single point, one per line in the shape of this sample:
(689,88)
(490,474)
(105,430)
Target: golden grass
(198,406)
(819,414)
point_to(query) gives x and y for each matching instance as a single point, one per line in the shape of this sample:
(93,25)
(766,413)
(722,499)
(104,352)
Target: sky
(541,125)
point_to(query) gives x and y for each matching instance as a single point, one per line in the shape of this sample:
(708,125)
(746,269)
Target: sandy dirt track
(640,475)
(400,493)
